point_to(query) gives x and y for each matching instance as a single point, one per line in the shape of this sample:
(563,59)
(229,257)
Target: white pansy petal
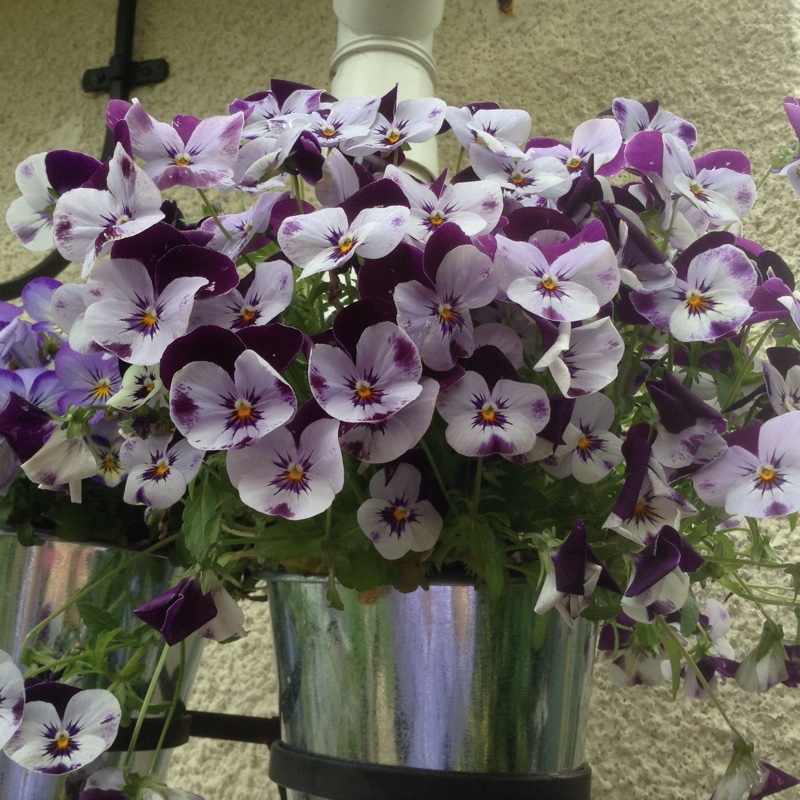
(12,698)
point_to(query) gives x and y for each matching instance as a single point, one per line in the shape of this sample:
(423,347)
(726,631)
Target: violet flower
(576,572)
(12,698)
(395,517)
(761,479)
(660,583)
(288,475)
(178,612)
(119,201)
(65,730)
(189,152)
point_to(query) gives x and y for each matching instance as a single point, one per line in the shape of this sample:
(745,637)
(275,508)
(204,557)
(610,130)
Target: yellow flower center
(436,219)
(574,163)
(518,179)
(549,283)
(489,413)
(182,160)
(446,313)
(247,315)
(149,319)
(696,302)
(696,188)
(399,514)
(365,392)
(294,474)
(641,511)
(585,443)
(767,476)
(102,390)
(62,741)
(345,245)
(393,136)
(161,469)
(328,131)
(243,411)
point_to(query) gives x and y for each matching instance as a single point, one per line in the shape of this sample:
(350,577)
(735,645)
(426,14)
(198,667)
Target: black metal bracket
(203,725)
(337,779)
(122,71)
(135,73)
(117,78)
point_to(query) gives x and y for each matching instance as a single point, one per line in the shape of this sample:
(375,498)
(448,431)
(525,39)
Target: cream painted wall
(725,66)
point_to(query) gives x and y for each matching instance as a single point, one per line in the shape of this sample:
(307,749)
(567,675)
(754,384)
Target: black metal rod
(235,727)
(120,64)
(119,75)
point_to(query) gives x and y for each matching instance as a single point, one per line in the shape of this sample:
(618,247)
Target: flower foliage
(563,362)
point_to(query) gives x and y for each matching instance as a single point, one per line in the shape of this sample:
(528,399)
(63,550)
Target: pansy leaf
(202,515)
(96,619)
(675,655)
(690,616)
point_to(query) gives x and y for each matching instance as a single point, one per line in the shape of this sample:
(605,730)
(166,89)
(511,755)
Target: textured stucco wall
(725,66)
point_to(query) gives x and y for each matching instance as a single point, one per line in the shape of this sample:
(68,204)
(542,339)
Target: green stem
(476,492)
(151,689)
(746,366)
(176,696)
(436,473)
(297,193)
(94,584)
(666,629)
(210,206)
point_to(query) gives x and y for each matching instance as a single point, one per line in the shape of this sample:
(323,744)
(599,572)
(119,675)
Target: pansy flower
(42,179)
(760,479)
(329,238)
(633,116)
(709,297)
(569,282)
(119,201)
(12,698)
(189,152)
(501,130)
(179,612)
(434,311)
(64,730)
(257,300)
(660,580)
(395,518)
(158,472)
(576,572)
(501,418)
(475,206)
(288,475)
(381,379)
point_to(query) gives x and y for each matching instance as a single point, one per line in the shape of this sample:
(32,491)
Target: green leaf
(490,557)
(202,514)
(793,570)
(97,619)
(690,616)
(675,658)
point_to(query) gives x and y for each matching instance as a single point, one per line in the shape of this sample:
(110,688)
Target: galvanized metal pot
(442,679)
(34,582)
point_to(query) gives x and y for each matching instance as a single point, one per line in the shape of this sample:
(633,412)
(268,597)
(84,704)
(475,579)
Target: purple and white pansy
(63,728)
(524,361)
(12,698)
(395,517)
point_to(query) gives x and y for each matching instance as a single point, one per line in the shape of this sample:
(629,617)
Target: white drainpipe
(381,43)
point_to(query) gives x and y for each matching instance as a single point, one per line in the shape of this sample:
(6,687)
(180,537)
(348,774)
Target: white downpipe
(381,43)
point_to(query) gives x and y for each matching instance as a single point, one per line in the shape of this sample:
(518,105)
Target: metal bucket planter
(34,582)
(430,694)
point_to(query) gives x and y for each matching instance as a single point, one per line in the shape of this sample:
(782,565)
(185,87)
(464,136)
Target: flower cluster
(562,362)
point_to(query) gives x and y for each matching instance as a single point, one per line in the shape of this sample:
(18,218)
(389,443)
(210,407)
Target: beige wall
(725,66)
